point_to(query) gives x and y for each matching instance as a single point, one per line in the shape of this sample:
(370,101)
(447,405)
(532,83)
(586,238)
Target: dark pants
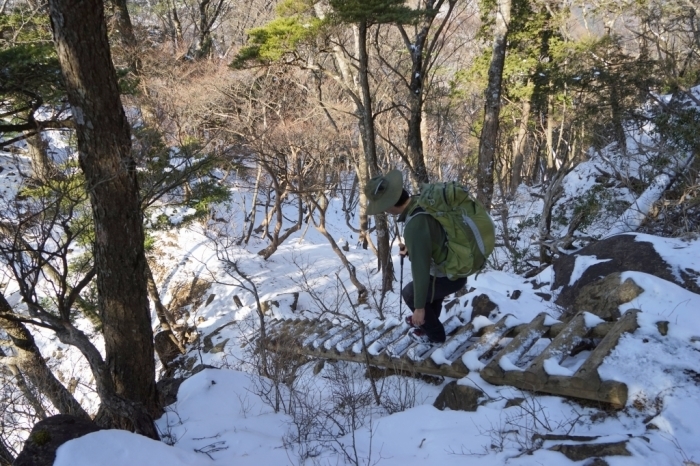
(439,289)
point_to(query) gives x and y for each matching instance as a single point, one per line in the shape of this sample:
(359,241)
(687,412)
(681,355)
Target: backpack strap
(414,213)
(475,230)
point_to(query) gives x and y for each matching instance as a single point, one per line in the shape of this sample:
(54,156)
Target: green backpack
(469,229)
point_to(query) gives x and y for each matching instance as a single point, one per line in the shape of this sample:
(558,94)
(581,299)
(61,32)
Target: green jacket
(425,242)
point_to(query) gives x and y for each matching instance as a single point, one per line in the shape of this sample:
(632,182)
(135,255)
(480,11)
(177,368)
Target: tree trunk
(115,410)
(21,383)
(250,218)
(122,23)
(33,365)
(519,147)
(549,130)
(208,14)
(165,317)
(370,148)
(177,26)
(6,456)
(415,103)
(282,190)
(421,51)
(492,105)
(321,228)
(617,114)
(104,148)
(124,32)
(42,166)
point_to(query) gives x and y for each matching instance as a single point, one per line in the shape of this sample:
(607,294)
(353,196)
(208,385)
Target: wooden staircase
(526,356)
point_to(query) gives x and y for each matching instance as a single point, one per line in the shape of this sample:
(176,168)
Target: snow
(633,217)
(591,320)
(222,417)
(110,447)
(581,264)
(507,365)
(552,367)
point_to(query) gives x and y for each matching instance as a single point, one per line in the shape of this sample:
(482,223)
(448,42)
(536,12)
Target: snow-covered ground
(223,417)
(220,418)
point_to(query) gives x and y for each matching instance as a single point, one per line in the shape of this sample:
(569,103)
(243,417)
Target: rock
(458,397)
(208,341)
(168,386)
(560,437)
(267,305)
(318,367)
(219,347)
(516,294)
(604,297)
(545,296)
(514,402)
(167,389)
(482,306)
(452,303)
(590,450)
(166,347)
(662,325)
(210,299)
(295,300)
(49,434)
(624,253)
(597,462)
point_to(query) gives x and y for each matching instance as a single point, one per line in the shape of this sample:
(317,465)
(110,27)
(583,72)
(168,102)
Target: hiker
(428,248)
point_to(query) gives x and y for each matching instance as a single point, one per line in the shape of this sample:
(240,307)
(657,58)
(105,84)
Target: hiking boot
(419,336)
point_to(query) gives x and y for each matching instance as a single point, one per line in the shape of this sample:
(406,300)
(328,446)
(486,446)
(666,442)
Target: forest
(122,121)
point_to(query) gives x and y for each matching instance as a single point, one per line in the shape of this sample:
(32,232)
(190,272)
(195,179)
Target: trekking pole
(401,288)
(401,248)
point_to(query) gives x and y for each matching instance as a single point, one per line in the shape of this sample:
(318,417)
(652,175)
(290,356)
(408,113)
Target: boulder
(584,451)
(458,397)
(49,434)
(168,387)
(166,347)
(208,344)
(604,297)
(482,306)
(623,253)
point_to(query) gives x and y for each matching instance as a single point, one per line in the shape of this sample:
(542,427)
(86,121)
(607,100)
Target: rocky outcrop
(166,347)
(604,297)
(619,254)
(49,434)
(168,386)
(592,450)
(483,306)
(458,397)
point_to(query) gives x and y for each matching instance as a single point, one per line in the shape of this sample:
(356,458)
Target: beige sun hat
(383,191)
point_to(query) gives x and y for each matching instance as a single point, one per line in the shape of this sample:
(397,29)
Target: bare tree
(30,363)
(104,148)
(492,105)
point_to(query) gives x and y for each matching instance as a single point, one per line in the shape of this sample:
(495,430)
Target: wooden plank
(490,338)
(558,349)
(626,323)
(516,349)
(390,337)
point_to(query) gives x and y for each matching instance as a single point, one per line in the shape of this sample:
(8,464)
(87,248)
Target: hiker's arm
(418,244)
(418,317)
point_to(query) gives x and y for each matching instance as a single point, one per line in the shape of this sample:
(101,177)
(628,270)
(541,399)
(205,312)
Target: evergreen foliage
(30,74)
(176,179)
(295,24)
(374,11)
